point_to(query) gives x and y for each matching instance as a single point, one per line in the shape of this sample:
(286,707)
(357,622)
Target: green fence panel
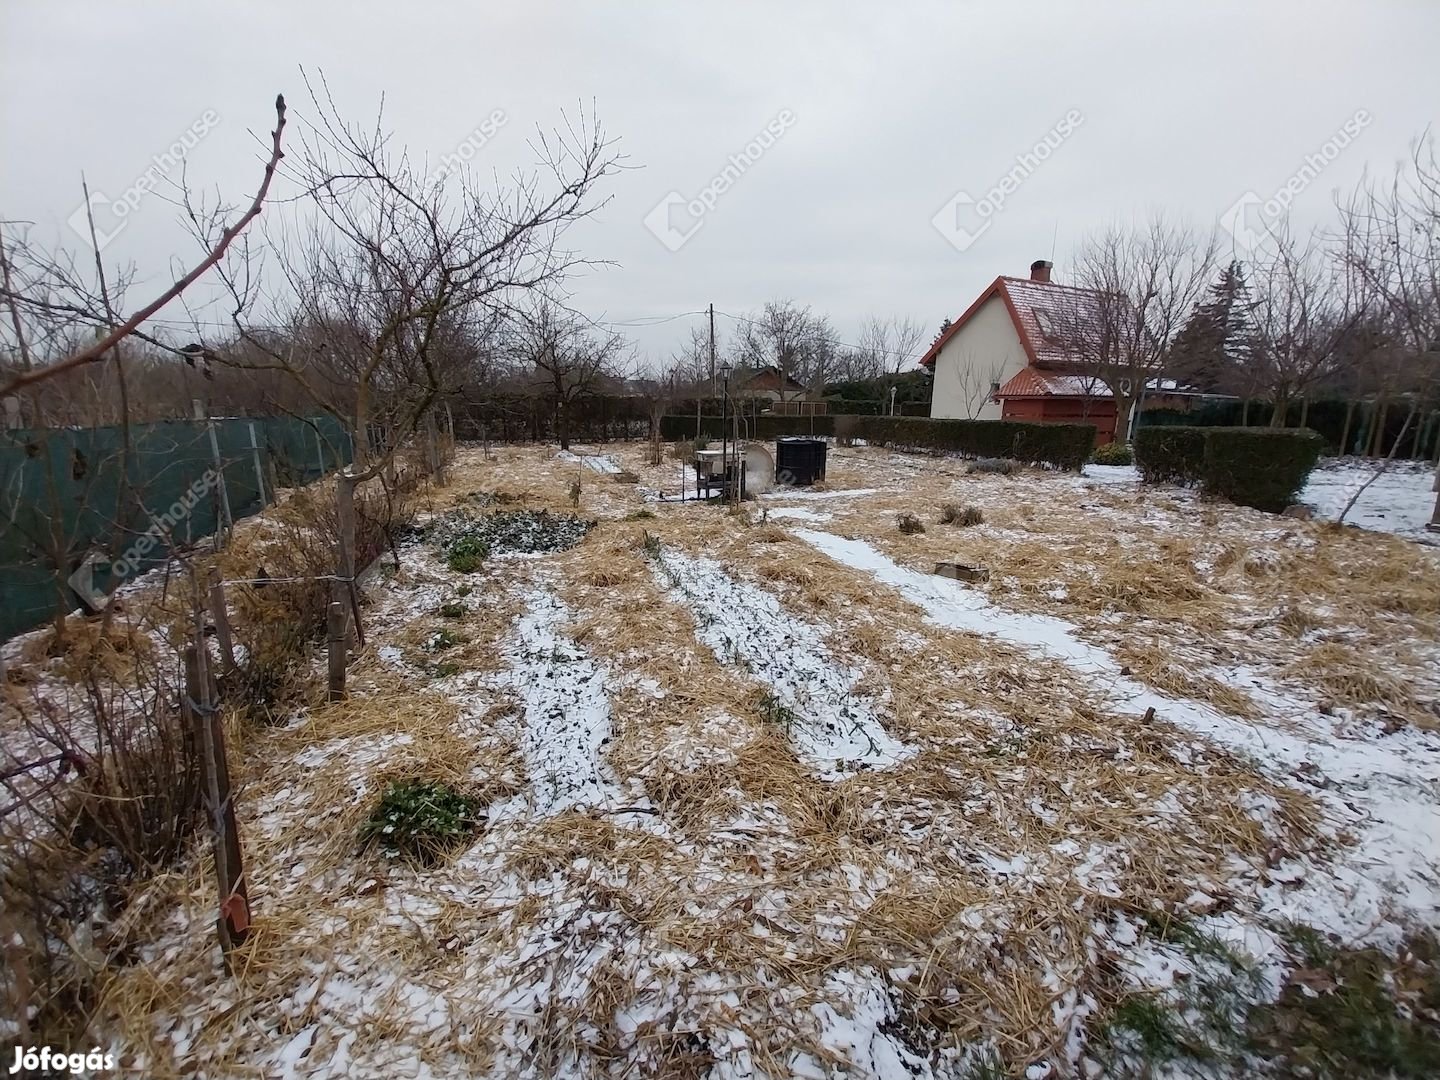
(119,498)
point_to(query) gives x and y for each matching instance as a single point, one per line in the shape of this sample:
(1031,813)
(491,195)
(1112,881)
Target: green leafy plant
(467,554)
(442,640)
(420,820)
(1113,453)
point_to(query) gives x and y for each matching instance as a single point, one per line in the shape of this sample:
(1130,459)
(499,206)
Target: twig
(98,350)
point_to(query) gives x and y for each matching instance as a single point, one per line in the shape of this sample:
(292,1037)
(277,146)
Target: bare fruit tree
(885,347)
(1142,284)
(1390,237)
(398,278)
(565,356)
(96,307)
(1304,307)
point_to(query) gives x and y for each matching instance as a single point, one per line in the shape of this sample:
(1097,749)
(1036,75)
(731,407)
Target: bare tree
(885,347)
(1139,286)
(397,274)
(1390,237)
(789,338)
(567,356)
(83,305)
(977,378)
(1303,309)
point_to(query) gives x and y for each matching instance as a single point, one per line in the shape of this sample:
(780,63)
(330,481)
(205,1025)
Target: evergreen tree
(1210,352)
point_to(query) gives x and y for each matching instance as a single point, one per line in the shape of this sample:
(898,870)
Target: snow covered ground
(1400,502)
(763,796)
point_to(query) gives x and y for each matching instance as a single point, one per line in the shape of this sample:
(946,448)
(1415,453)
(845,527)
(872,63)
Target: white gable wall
(984,351)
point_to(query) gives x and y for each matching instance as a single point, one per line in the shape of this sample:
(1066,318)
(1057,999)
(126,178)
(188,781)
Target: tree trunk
(1304,409)
(1124,414)
(1245,413)
(1282,406)
(562,423)
(1377,437)
(1345,431)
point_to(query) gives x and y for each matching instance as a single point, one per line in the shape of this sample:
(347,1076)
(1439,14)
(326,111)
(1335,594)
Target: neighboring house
(1004,359)
(771,384)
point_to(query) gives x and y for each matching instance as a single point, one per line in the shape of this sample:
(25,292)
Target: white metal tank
(759,470)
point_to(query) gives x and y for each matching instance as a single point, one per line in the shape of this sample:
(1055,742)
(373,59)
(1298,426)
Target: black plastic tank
(799,460)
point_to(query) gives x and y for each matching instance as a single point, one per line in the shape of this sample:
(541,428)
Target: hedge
(1260,467)
(1065,446)
(765,426)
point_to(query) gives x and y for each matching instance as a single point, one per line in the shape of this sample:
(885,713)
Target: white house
(989,345)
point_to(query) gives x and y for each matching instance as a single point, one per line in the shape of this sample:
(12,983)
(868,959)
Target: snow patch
(834,730)
(566,720)
(1383,795)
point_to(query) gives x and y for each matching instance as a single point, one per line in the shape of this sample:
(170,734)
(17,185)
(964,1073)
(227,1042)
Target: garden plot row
(669,879)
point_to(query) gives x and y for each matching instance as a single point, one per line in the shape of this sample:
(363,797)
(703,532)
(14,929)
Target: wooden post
(432,448)
(221,618)
(227,521)
(335,641)
(233,923)
(259,469)
(345,514)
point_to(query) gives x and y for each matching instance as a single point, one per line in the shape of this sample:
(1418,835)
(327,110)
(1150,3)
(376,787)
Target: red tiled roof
(1031,304)
(1031,382)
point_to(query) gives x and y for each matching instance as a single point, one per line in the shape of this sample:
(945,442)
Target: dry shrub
(281,612)
(114,645)
(964,516)
(112,795)
(909,524)
(1354,680)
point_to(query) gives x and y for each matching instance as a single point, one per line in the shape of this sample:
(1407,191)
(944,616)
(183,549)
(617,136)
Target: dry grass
(768,880)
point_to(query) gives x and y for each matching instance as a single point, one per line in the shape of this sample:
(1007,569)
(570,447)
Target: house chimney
(1040,270)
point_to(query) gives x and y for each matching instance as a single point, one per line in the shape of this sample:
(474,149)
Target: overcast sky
(890,113)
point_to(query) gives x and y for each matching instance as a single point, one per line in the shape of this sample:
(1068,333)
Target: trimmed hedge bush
(676,427)
(1170,455)
(1260,467)
(1064,446)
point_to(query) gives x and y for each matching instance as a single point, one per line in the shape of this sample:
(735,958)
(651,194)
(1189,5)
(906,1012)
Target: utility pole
(712,350)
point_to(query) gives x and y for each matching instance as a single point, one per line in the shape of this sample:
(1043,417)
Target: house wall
(985,351)
(1064,411)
